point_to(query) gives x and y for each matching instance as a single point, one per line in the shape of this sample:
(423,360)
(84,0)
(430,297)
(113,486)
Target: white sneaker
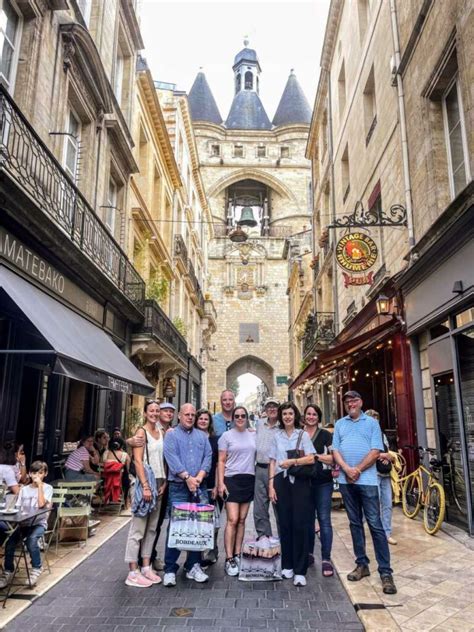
(197,574)
(231,567)
(237,561)
(287,573)
(34,576)
(6,578)
(169,579)
(299,580)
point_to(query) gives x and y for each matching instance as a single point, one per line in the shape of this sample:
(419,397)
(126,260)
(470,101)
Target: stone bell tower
(258,184)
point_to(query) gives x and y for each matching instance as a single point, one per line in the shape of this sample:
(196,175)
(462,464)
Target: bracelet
(295,462)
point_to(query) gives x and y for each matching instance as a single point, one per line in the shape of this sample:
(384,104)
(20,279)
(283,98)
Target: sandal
(327,569)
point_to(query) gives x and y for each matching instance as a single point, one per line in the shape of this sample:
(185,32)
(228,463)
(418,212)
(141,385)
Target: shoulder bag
(383,468)
(301,471)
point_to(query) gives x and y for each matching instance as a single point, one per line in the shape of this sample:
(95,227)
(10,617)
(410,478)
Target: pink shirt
(75,459)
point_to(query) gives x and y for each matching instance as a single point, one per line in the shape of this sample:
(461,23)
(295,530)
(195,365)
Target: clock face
(246,277)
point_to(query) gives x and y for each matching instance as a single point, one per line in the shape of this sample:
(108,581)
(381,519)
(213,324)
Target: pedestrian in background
(322,485)
(223,420)
(236,483)
(266,428)
(384,467)
(357,444)
(293,496)
(189,457)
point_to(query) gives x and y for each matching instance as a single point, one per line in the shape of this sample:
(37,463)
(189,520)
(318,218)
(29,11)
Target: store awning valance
(339,352)
(82,350)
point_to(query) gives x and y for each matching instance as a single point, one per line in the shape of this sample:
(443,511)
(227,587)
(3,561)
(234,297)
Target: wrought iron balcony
(33,168)
(180,250)
(196,286)
(160,326)
(319,331)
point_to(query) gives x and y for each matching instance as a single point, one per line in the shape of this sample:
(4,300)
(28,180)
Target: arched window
(258,86)
(248,80)
(237,82)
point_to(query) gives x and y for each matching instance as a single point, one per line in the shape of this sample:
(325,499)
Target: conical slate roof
(202,103)
(293,106)
(247,112)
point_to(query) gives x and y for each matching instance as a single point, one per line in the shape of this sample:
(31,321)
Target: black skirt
(240,487)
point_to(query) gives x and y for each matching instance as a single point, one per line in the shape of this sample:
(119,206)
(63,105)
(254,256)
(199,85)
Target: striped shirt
(265,434)
(354,439)
(75,459)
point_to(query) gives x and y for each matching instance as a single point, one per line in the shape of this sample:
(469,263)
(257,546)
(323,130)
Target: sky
(181,36)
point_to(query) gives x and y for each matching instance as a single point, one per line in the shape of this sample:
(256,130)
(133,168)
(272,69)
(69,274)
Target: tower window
(238,151)
(261,151)
(284,152)
(237,82)
(248,80)
(215,150)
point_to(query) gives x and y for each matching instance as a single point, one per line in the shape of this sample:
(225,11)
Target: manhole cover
(182,612)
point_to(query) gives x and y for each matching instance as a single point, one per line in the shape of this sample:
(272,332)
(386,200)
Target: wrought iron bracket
(396,216)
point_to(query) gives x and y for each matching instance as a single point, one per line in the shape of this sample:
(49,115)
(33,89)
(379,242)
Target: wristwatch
(186,477)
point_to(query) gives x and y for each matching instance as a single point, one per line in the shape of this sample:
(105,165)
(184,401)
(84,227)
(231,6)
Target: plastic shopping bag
(260,560)
(191,527)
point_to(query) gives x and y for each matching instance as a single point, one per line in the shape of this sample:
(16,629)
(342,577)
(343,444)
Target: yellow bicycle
(421,487)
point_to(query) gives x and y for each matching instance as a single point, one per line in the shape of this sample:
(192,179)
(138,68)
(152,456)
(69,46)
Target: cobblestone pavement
(94,597)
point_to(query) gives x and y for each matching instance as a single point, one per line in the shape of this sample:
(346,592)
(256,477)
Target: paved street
(94,597)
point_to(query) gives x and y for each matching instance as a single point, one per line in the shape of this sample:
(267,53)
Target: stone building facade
(255,168)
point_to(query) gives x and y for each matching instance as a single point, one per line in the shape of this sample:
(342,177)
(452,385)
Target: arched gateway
(254,365)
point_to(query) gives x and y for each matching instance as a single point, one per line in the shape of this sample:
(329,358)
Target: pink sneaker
(151,576)
(138,580)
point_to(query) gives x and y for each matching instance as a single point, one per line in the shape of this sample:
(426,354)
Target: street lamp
(383,305)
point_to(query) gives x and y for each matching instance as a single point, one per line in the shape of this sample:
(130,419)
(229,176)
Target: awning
(83,351)
(332,356)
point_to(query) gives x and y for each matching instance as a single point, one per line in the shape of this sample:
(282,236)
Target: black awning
(83,351)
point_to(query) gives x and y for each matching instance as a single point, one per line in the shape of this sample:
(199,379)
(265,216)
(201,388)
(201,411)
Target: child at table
(35,496)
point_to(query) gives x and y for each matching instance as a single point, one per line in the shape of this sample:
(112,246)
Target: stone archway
(254,365)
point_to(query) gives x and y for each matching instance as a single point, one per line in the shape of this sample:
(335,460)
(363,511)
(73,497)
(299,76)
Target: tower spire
(201,101)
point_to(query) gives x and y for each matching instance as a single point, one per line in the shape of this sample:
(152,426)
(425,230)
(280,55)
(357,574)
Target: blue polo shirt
(354,440)
(221,424)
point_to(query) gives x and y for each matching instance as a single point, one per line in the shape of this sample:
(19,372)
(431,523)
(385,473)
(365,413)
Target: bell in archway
(247,218)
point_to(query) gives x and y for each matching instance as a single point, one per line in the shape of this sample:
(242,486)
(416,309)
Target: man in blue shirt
(356,446)
(223,421)
(188,454)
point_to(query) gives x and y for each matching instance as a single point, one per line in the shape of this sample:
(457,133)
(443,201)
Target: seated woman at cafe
(7,468)
(36,495)
(78,464)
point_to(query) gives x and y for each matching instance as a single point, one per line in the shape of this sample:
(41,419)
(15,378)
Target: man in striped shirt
(356,446)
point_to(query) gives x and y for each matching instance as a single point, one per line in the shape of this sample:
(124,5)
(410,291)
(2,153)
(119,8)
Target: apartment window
(156,196)
(111,206)
(284,152)
(118,74)
(248,332)
(370,111)
(10,23)
(72,144)
(363,17)
(85,7)
(261,151)
(238,151)
(215,150)
(456,145)
(248,80)
(341,88)
(345,174)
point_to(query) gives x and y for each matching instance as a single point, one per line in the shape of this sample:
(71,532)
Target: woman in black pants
(293,496)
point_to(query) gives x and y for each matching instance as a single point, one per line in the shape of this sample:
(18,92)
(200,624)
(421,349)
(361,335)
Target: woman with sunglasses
(235,483)
(292,495)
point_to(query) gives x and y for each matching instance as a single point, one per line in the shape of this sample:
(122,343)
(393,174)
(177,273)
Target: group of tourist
(287,461)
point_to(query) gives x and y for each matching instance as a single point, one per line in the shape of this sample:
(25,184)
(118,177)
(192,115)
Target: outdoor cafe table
(14,522)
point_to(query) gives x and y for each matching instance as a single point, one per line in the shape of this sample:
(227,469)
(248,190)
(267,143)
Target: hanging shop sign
(356,253)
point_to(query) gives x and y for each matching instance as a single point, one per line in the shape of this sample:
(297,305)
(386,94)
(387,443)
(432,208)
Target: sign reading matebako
(356,253)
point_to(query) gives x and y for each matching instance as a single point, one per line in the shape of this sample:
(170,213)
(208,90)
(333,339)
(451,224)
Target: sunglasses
(243,416)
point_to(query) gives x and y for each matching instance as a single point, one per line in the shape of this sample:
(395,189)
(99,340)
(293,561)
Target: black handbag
(383,468)
(301,471)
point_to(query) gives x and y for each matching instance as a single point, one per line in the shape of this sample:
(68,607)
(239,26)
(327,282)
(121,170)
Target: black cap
(352,394)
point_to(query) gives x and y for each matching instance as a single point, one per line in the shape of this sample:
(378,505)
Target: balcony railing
(159,325)
(319,331)
(277,232)
(180,250)
(30,164)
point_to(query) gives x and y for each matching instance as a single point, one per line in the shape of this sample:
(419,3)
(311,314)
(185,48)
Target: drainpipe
(333,206)
(403,126)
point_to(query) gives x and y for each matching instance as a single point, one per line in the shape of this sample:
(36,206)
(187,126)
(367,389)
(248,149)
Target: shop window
(10,27)
(72,143)
(284,152)
(76,411)
(465,317)
(465,348)
(439,330)
(248,333)
(456,144)
(238,151)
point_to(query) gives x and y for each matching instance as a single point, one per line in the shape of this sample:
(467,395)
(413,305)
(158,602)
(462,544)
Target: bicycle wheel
(411,495)
(433,514)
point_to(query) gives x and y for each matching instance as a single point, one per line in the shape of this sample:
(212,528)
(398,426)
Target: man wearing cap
(266,429)
(356,446)
(223,421)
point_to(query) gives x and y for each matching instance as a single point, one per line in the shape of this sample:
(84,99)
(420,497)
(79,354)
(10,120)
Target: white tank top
(155,454)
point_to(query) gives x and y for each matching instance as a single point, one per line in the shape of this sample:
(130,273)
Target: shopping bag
(191,527)
(260,560)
